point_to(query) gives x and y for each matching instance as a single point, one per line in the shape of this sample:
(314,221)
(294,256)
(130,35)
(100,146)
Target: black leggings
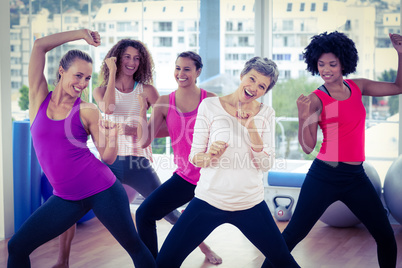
(56,215)
(325,184)
(138,173)
(172,194)
(200,219)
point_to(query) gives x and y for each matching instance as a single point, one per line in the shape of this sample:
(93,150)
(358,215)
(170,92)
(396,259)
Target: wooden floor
(324,247)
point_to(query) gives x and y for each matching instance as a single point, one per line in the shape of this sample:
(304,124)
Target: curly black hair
(338,44)
(145,71)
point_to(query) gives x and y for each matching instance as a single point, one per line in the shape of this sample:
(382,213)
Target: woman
(337,173)
(178,110)
(126,72)
(60,125)
(233,144)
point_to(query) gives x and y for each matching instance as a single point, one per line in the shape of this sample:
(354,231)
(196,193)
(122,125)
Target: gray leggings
(137,172)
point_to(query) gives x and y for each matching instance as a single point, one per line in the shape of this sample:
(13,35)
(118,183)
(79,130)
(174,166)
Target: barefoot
(210,254)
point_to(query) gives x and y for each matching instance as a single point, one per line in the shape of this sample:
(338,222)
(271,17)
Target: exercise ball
(339,215)
(131,193)
(393,189)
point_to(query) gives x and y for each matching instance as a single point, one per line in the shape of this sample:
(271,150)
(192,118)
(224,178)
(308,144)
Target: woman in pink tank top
(338,173)
(60,125)
(178,110)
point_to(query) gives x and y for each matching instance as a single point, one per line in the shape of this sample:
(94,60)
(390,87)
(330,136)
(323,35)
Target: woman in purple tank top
(60,125)
(178,110)
(126,72)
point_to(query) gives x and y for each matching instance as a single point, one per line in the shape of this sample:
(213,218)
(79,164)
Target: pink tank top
(181,128)
(343,126)
(61,147)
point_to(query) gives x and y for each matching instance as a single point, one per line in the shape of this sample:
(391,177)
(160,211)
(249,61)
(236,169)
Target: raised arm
(38,89)
(103,132)
(105,96)
(377,88)
(308,108)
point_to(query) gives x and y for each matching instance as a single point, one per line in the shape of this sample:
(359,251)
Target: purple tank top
(181,128)
(61,147)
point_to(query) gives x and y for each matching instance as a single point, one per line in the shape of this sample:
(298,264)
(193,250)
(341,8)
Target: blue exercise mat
(285,179)
(27,174)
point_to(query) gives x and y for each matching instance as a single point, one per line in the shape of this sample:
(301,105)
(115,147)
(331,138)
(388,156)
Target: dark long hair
(145,71)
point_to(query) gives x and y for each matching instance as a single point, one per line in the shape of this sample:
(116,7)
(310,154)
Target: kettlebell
(283,213)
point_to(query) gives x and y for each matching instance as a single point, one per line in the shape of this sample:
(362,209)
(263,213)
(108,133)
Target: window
(288,25)
(163,41)
(14,36)
(243,41)
(180,40)
(325,7)
(162,26)
(289,7)
(240,26)
(102,27)
(281,57)
(180,26)
(302,6)
(312,7)
(347,25)
(124,26)
(181,9)
(229,26)
(15,72)
(192,40)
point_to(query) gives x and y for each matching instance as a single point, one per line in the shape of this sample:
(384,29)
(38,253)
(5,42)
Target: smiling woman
(60,125)
(226,191)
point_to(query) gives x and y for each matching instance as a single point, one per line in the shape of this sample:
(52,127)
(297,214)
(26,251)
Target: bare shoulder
(99,93)
(315,102)
(211,94)
(164,99)
(151,93)
(100,90)
(150,90)
(89,113)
